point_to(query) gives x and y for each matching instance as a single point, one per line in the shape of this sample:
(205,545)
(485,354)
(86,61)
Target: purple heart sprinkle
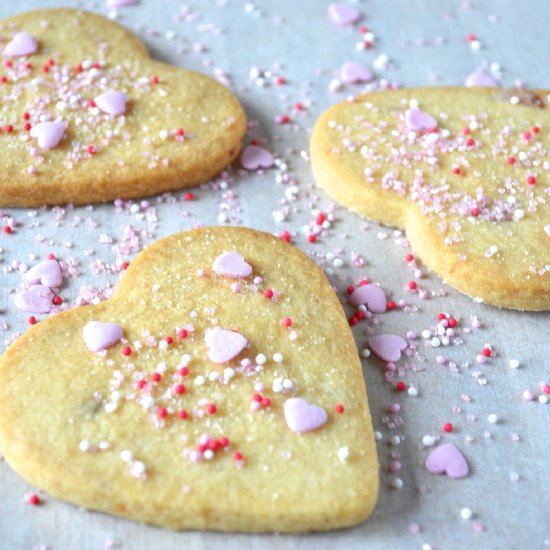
(387,347)
(480,78)
(224,345)
(354,73)
(21,44)
(302,417)
(254,157)
(111,102)
(36,299)
(232,265)
(99,336)
(48,134)
(371,296)
(447,459)
(343,14)
(47,273)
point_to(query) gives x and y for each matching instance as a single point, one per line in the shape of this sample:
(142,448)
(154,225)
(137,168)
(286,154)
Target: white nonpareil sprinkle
(426,334)
(378,436)
(213,376)
(84,446)
(126,456)
(397,483)
(228,373)
(208,454)
(138,469)
(492,418)
(395,440)
(199,380)
(365,353)
(428,440)
(278,357)
(514,364)
(466,513)
(185,359)
(260,359)
(288,384)
(413,392)
(343,454)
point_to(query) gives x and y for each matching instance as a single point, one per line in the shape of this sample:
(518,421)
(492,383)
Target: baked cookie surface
(88,116)
(463,171)
(219,388)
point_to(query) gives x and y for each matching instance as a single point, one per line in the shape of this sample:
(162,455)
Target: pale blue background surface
(309,49)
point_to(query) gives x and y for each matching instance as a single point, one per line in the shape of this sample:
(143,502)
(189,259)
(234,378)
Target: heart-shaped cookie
(465,172)
(163,432)
(88,116)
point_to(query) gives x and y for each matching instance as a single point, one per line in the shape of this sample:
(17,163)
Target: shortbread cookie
(220,388)
(87,116)
(463,171)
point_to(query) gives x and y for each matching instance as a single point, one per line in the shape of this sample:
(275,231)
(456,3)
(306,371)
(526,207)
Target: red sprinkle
(182,333)
(400,386)
(184,371)
(266,402)
(312,238)
(257,397)
(321,217)
(26,116)
(471,37)
(511,160)
(142,383)
(350,289)
(8,128)
(237,456)
(448,427)
(412,285)
(475,212)
(223,441)
(486,351)
(211,409)
(456,170)
(27,126)
(156,377)
(470,142)
(441,316)
(91,150)
(169,340)
(546,388)
(268,293)
(531,180)
(188,196)
(391,305)
(162,412)
(339,408)
(409,258)
(180,132)
(57,300)
(535,129)
(7,229)
(126,350)
(91,103)
(183,414)
(124,266)
(287,322)
(466,130)
(34,500)
(32,320)
(179,389)
(452,322)
(285,236)
(155,79)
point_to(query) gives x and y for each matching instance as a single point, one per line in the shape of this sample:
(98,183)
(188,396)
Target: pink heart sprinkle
(343,14)
(232,265)
(224,345)
(480,78)
(99,336)
(36,299)
(371,296)
(447,459)
(387,347)
(121,3)
(47,273)
(111,102)
(254,157)
(48,134)
(419,120)
(354,73)
(21,44)
(547,229)
(302,417)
